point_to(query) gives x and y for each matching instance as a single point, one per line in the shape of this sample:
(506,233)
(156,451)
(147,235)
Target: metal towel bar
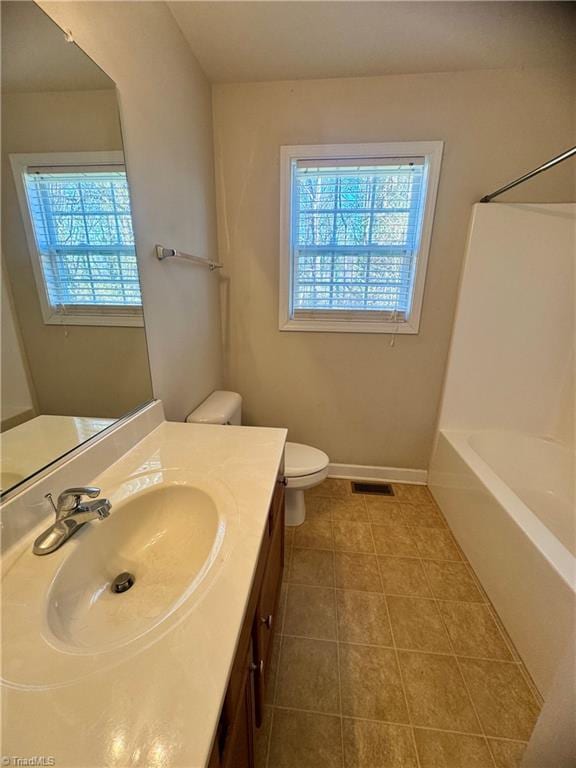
(168,253)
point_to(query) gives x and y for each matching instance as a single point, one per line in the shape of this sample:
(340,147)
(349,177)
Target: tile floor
(389,653)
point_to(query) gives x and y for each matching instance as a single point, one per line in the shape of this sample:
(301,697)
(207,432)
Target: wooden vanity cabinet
(265,619)
(238,749)
(243,707)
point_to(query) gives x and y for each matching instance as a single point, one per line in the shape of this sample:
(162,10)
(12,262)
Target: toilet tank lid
(218,408)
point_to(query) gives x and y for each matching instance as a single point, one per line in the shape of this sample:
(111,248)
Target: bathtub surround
(553,741)
(527,572)
(503,465)
(165,105)
(310,381)
(512,367)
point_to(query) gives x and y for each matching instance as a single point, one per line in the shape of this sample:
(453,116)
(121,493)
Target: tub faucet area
(71,514)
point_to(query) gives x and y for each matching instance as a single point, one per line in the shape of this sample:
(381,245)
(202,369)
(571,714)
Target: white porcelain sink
(165,538)
(168,528)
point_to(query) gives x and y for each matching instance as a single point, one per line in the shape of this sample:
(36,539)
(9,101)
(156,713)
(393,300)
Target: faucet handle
(69,499)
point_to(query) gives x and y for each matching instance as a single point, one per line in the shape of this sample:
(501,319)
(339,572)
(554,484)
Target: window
(356,222)
(76,212)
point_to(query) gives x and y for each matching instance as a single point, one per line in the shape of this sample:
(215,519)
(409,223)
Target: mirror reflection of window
(74,355)
(76,211)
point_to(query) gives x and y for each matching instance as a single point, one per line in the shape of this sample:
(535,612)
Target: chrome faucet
(71,514)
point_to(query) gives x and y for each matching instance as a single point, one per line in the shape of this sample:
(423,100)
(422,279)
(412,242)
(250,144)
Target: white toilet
(304,466)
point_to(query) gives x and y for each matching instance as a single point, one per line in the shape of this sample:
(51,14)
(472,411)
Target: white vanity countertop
(154,702)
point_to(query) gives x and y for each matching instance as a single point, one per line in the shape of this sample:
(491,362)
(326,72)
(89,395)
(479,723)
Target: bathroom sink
(170,529)
(127,573)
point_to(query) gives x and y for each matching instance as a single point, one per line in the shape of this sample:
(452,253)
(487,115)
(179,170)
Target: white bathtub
(509,498)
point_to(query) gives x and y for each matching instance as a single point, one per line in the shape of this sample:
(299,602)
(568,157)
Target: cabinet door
(239,747)
(267,608)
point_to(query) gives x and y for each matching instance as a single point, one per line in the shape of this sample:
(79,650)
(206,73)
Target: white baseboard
(386,474)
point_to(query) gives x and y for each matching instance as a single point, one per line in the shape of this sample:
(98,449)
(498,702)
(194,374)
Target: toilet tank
(220,408)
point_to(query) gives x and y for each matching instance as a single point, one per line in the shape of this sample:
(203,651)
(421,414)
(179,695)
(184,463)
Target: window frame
(101,315)
(431,151)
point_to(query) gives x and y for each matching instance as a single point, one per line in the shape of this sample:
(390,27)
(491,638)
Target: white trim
(350,326)
(387,474)
(289,155)
(19,163)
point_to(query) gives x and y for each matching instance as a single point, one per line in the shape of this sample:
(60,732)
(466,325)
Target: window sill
(343,326)
(128,321)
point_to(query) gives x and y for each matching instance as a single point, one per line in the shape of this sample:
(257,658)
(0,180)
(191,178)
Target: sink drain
(122,582)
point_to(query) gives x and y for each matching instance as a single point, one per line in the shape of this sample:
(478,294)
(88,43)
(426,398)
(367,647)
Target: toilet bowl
(304,466)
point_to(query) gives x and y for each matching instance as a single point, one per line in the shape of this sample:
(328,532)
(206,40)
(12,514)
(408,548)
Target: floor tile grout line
(269,744)
(314,586)
(396,723)
(466,687)
(515,659)
(342,760)
(280,644)
(380,554)
(502,631)
(400,594)
(467,733)
(527,677)
(420,651)
(402,685)
(428,557)
(398,647)
(539,699)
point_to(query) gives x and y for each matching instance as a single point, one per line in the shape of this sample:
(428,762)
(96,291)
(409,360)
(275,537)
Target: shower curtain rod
(535,172)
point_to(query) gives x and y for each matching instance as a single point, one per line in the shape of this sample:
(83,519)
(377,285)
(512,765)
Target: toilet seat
(302,460)
(304,466)
(304,482)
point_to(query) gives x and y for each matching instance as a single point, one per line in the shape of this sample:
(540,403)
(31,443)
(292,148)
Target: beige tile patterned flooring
(389,654)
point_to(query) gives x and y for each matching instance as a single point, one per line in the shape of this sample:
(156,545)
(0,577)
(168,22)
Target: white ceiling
(36,56)
(278,40)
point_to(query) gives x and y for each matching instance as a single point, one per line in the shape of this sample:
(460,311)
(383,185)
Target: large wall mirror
(74,356)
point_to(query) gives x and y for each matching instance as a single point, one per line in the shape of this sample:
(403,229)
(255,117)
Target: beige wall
(17,395)
(356,396)
(165,104)
(70,121)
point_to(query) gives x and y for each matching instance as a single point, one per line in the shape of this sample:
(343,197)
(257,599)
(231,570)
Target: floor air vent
(379,489)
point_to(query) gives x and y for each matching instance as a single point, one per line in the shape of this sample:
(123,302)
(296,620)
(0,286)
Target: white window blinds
(83,231)
(356,229)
